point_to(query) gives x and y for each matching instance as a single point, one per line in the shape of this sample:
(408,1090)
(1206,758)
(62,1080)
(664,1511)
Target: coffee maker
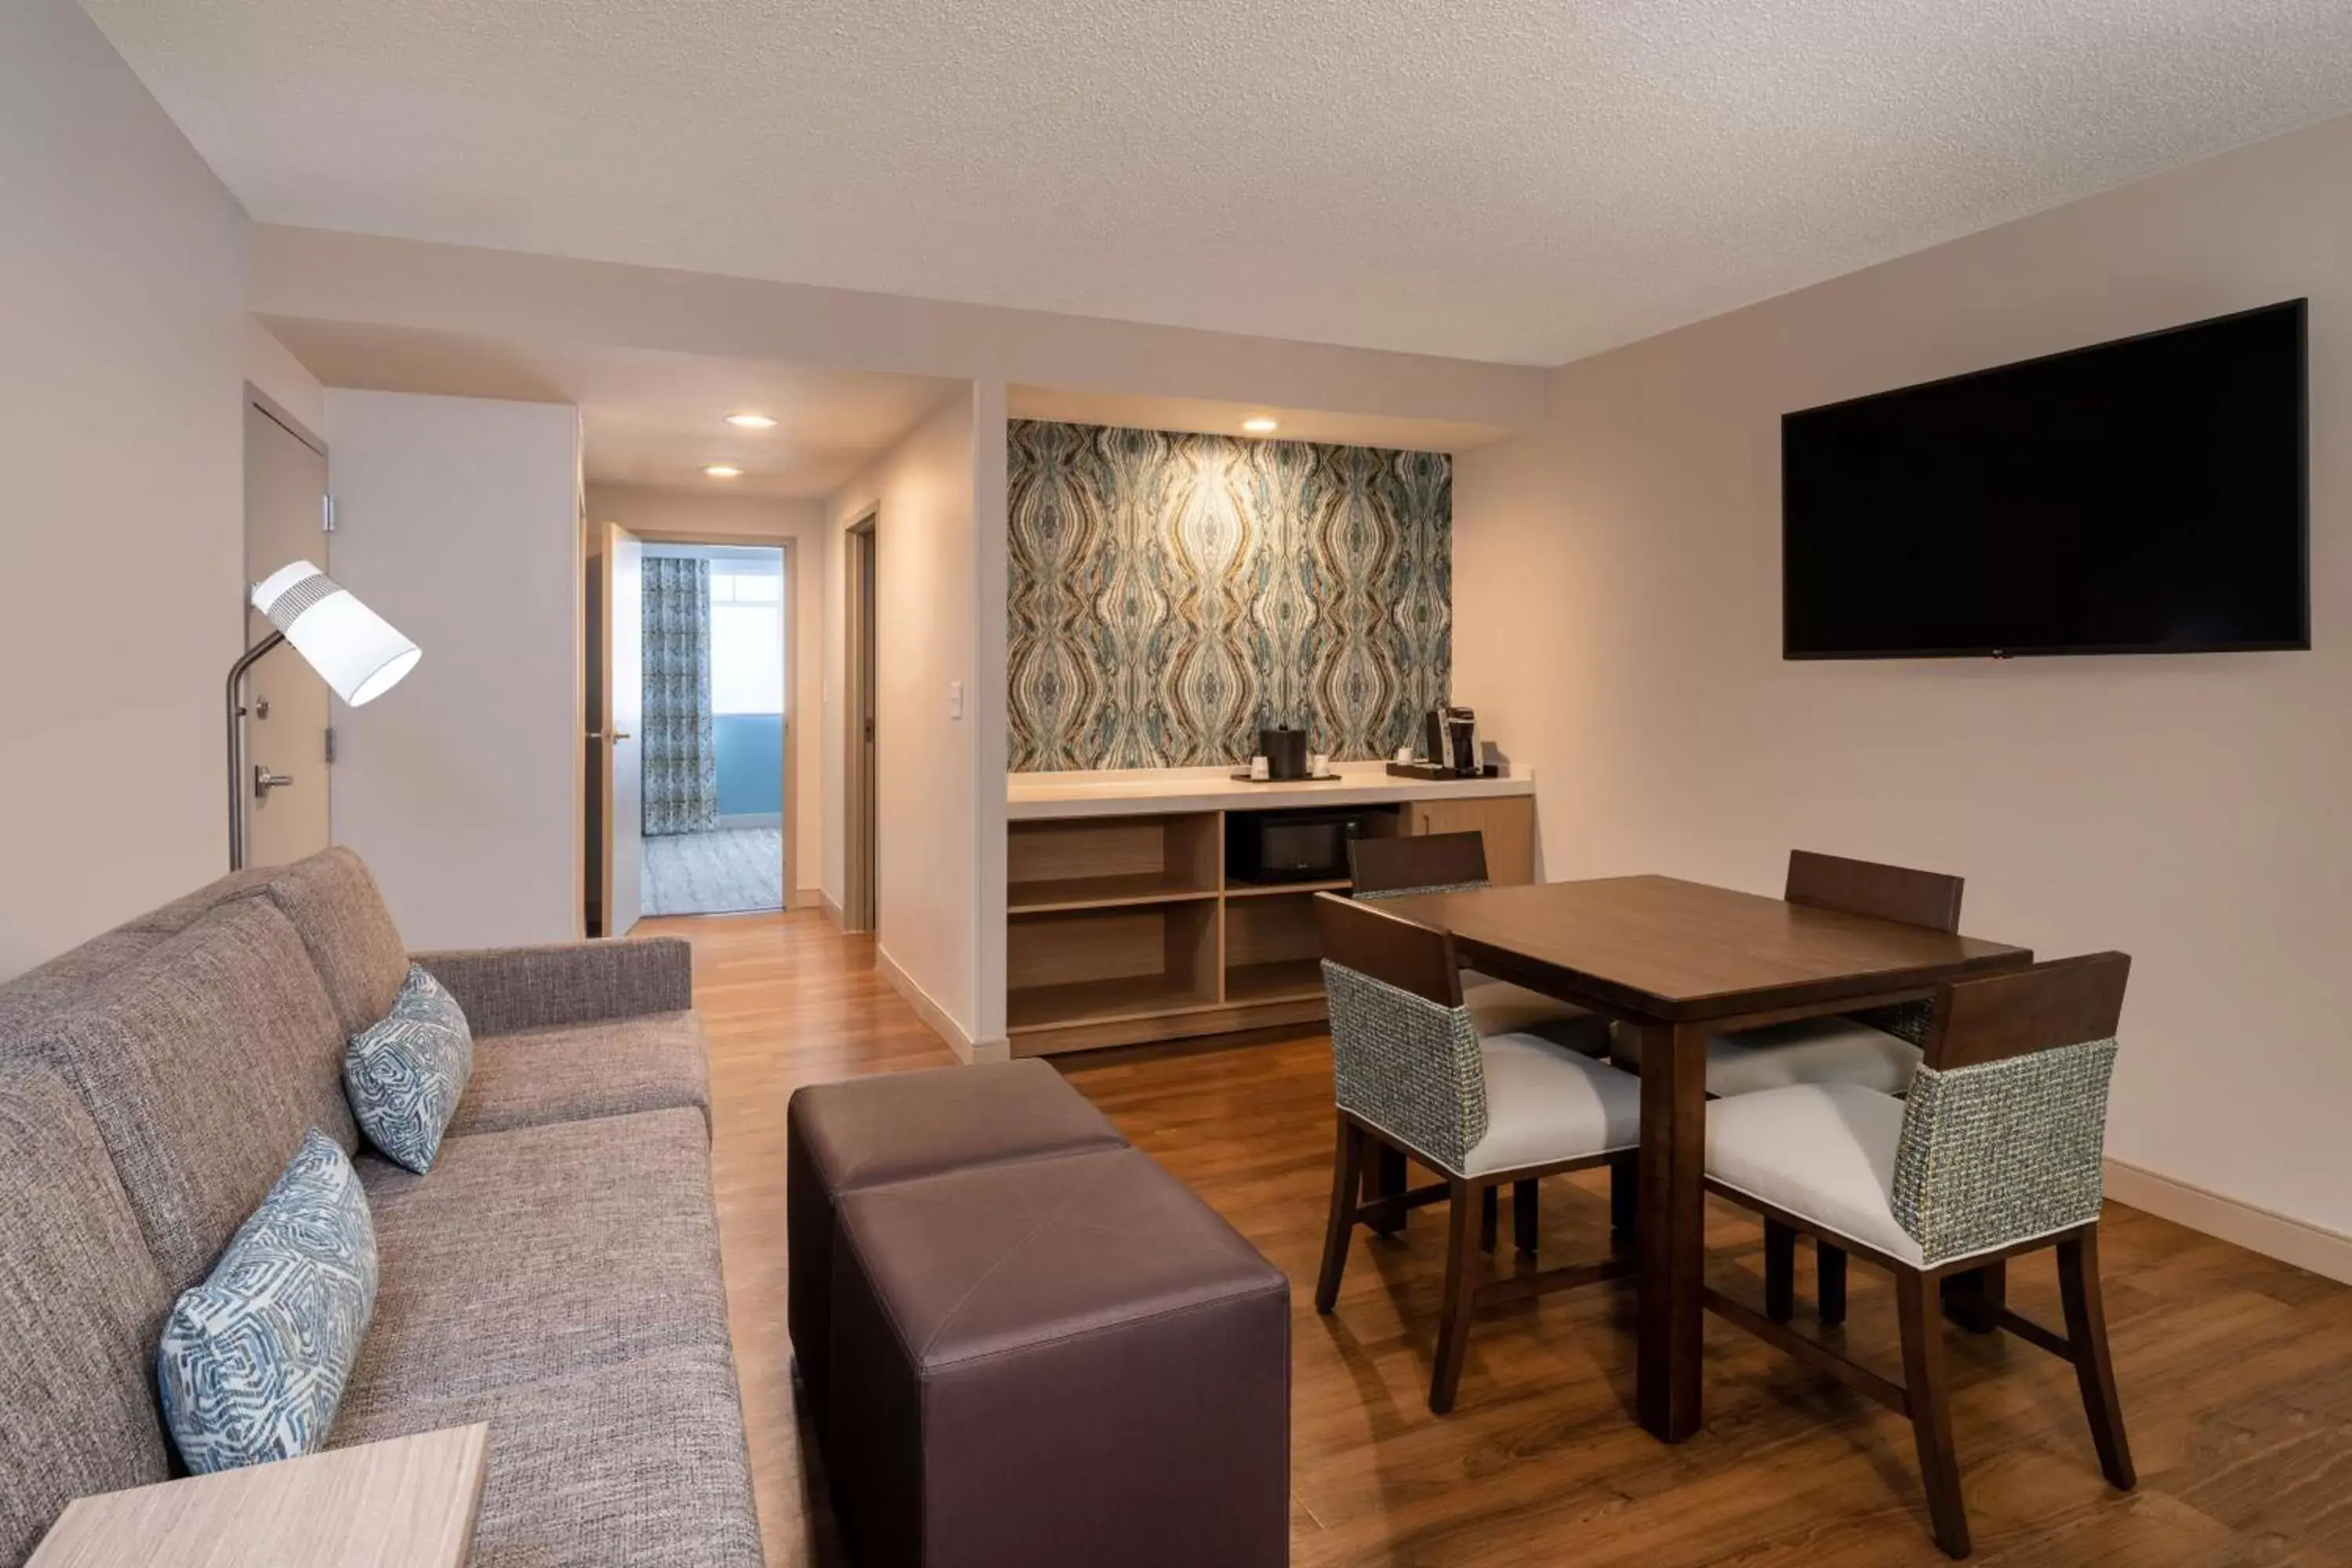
(1451,736)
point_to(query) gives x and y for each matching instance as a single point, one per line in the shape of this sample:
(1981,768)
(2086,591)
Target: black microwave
(1291,846)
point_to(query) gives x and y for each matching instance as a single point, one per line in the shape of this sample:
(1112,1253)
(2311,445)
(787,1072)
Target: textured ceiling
(1515,180)
(645,418)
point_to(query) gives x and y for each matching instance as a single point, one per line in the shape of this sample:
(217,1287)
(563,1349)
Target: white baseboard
(930,1012)
(2295,1241)
(993,1052)
(826,901)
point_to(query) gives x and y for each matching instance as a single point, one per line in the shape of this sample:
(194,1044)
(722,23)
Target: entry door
(622,728)
(286,713)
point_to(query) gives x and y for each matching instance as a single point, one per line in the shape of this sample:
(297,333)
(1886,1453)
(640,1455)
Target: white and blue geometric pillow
(253,1360)
(404,1073)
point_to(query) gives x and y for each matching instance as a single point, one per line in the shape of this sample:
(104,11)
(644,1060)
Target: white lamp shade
(354,650)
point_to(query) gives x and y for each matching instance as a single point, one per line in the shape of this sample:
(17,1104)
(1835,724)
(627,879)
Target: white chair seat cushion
(1546,1104)
(1812,1050)
(1821,1151)
(1499,1007)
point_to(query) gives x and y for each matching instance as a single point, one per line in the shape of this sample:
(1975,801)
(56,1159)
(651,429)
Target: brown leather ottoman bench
(868,1132)
(1059,1362)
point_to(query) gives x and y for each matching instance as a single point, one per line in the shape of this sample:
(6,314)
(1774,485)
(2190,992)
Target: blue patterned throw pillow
(404,1074)
(253,1360)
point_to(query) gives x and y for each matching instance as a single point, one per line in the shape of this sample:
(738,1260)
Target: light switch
(955,699)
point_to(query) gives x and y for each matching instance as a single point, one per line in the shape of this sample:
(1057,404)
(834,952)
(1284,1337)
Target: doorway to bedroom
(714,631)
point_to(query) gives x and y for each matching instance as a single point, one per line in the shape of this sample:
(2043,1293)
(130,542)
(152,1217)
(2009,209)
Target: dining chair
(1410,1069)
(1452,863)
(1997,1152)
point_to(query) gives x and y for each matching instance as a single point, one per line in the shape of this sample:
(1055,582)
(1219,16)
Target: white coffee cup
(1318,764)
(1404,754)
(1258,769)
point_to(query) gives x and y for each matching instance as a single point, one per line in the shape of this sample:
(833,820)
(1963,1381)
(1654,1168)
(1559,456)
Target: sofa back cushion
(336,906)
(81,1305)
(204,1061)
(37,992)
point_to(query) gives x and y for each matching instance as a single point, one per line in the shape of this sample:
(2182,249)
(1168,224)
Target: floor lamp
(353,650)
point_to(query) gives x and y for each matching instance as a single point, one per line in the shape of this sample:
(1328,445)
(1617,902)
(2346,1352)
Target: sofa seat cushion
(81,1304)
(536,1252)
(577,1071)
(641,1462)
(204,1061)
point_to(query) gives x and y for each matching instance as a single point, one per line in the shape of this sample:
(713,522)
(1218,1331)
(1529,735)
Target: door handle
(264,781)
(619,736)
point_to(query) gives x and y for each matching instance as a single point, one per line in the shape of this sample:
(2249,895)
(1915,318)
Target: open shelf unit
(1125,929)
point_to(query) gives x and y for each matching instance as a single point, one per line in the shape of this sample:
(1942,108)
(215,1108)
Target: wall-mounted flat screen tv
(2145,496)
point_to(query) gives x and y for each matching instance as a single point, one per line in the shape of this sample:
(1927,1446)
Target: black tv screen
(2146,496)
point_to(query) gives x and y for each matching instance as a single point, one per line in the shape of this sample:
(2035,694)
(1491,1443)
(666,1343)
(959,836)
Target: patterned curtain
(681,761)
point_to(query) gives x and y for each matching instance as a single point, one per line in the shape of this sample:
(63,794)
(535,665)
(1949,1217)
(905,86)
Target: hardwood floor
(2236,1370)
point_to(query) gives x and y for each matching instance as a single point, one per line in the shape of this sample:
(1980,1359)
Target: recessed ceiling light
(750,421)
(1261,426)
(724,471)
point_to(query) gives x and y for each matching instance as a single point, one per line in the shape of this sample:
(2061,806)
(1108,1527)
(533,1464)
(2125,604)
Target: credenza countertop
(1137,792)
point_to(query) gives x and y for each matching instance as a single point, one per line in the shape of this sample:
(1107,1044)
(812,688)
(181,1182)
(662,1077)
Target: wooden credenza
(1123,926)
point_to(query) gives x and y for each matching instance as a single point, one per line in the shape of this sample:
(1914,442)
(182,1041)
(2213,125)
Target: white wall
(1617,598)
(718,515)
(459,521)
(121,300)
(932,799)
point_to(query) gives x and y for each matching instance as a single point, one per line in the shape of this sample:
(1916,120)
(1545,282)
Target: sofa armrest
(503,989)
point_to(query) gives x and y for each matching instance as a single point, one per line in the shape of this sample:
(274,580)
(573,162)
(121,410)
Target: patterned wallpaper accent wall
(1171,593)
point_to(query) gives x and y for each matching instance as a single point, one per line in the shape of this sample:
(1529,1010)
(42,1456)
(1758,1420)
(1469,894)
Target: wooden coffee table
(1681,962)
(408,1502)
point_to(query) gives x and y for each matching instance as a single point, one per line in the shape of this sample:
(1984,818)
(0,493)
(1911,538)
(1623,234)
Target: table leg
(1670,1223)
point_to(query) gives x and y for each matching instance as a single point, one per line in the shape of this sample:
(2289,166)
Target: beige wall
(272,369)
(931,800)
(121,285)
(457,519)
(1616,582)
(717,515)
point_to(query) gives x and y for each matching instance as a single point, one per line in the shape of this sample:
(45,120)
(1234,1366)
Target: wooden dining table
(1681,962)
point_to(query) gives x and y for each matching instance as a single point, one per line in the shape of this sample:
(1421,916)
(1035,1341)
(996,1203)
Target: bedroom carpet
(726,872)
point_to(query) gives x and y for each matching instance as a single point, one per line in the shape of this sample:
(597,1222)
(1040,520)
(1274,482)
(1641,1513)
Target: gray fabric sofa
(555,1275)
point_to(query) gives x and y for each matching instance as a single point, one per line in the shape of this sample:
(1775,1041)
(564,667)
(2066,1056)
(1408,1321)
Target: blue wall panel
(751,763)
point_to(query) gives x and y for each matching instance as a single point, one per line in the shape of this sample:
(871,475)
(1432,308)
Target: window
(747,640)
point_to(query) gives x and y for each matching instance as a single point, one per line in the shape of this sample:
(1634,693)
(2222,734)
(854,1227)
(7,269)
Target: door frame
(790,762)
(276,412)
(860,814)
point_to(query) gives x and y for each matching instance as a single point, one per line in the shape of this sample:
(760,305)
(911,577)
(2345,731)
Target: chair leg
(1387,1165)
(1931,1409)
(1460,1285)
(1624,1193)
(1489,1216)
(1347,1177)
(1779,1271)
(1974,1299)
(1523,1217)
(1828,1287)
(2086,1330)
